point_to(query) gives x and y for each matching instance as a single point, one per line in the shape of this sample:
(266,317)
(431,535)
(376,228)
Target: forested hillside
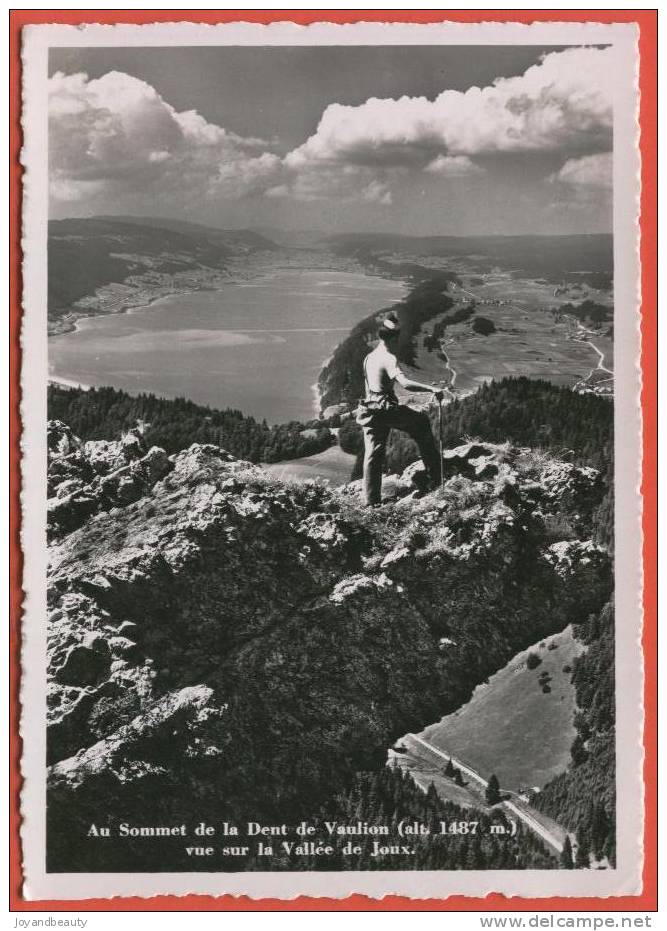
(386,796)
(584,797)
(99,413)
(342,379)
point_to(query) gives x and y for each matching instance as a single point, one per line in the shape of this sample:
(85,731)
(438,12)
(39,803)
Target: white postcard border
(626,879)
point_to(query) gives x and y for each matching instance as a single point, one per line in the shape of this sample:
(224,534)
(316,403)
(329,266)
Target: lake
(256,345)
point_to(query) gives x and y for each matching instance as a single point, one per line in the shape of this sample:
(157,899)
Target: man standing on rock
(380,412)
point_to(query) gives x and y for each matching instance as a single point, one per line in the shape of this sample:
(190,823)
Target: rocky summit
(223,645)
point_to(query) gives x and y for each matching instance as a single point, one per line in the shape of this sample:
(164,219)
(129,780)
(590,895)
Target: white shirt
(381,371)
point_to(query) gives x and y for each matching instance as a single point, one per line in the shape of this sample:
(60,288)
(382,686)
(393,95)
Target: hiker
(379,412)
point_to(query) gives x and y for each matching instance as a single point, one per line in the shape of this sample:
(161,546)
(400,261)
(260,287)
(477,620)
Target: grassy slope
(332,464)
(510,727)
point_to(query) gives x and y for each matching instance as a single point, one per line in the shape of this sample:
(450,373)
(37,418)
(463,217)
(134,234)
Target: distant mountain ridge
(584,252)
(293,239)
(233,239)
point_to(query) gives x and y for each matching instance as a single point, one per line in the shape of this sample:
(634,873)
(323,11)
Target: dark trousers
(417,425)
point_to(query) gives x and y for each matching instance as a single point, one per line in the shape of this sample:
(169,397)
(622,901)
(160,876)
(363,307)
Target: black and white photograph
(331,342)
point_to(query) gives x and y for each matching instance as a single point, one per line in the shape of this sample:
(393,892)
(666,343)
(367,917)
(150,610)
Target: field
(530,338)
(425,768)
(510,727)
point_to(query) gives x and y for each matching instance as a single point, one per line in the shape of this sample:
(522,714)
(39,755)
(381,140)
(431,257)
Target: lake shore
(70,322)
(317,391)
(136,294)
(256,344)
(67,382)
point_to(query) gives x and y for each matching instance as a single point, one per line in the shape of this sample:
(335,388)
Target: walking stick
(442,464)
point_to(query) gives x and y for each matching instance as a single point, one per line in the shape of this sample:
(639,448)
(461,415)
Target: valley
(539,307)
(529,337)
(211,310)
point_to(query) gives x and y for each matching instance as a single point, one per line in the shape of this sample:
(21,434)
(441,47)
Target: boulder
(161,721)
(132,444)
(154,465)
(71,468)
(414,477)
(60,440)
(99,475)
(335,410)
(84,665)
(70,486)
(485,467)
(66,513)
(463,460)
(205,459)
(104,455)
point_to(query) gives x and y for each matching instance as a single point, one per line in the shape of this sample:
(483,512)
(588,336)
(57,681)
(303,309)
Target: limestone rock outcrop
(221,641)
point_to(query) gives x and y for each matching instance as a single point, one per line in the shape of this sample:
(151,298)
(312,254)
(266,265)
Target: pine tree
(578,751)
(492,793)
(599,829)
(474,857)
(583,858)
(566,862)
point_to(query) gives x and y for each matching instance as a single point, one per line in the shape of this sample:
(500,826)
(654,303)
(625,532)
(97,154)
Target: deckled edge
(279,32)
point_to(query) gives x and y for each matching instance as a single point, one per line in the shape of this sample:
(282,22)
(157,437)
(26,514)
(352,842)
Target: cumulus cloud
(595,171)
(115,134)
(246,175)
(377,192)
(115,138)
(453,166)
(562,103)
(343,183)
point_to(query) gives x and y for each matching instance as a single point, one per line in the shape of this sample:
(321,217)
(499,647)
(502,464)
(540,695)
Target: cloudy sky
(418,140)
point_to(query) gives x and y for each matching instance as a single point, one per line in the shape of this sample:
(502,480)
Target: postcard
(331,451)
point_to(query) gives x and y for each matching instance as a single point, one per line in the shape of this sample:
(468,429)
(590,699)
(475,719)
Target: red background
(647,22)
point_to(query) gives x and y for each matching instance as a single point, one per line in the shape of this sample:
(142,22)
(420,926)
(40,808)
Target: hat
(390,326)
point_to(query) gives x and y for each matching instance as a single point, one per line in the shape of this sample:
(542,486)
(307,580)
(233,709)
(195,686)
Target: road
(532,823)
(600,367)
(465,291)
(448,362)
